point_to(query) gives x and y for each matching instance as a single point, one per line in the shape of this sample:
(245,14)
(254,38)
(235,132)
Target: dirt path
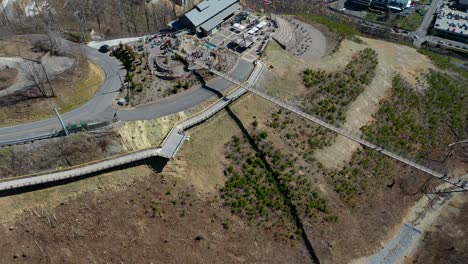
(285,84)
(53,66)
(408,236)
(393,59)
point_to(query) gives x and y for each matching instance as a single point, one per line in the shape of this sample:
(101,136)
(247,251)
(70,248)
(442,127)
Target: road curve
(188,99)
(99,108)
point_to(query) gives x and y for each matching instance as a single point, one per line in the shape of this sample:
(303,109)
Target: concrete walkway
(285,33)
(176,137)
(99,108)
(112,42)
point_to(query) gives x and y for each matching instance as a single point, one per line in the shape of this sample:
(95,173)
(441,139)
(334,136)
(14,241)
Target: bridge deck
(77,172)
(348,134)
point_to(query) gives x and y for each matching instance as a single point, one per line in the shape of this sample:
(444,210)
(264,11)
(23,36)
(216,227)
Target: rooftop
(217,19)
(394,4)
(208,9)
(452,20)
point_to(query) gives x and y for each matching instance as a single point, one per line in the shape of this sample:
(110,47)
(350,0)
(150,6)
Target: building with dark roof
(452,24)
(206,16)
(461,5)
(385,5)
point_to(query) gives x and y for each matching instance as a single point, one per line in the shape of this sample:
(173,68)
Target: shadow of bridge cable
(281,186)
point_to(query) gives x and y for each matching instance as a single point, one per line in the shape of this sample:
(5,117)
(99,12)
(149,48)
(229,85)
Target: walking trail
(393,59)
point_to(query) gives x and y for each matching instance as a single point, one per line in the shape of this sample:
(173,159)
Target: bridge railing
(340,130)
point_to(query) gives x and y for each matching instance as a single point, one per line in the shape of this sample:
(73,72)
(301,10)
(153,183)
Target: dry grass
(69,95)
(202,158)
(54,196)
(393,58)
(83,90)
(287,83)
(17,46)
(138,135)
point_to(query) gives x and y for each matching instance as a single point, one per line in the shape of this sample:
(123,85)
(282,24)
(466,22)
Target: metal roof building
(206,16)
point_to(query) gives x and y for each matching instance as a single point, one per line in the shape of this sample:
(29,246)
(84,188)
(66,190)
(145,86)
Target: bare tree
(34,75)
(55,42)
(146,16)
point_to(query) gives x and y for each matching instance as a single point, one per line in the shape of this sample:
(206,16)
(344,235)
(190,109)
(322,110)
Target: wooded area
(79,17)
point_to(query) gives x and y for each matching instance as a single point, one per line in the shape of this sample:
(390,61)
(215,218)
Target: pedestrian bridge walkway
(343,132)
(170,146)
(82,170)
(176,137)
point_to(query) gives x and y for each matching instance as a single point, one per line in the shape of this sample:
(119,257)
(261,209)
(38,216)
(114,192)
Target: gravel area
(52,65)
(397,247)
(310,42)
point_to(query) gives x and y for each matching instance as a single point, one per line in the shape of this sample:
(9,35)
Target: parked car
(104,49)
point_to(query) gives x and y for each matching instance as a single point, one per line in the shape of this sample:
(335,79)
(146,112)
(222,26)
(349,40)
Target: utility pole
(38,80)
(47,78)
(61,121)
(78,16)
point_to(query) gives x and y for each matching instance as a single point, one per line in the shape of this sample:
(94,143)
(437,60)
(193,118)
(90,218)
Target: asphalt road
(188,99)
(99,108)
(422,29)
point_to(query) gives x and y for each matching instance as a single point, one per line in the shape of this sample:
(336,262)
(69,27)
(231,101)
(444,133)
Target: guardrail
(29,139)
(115,161)
(56,133)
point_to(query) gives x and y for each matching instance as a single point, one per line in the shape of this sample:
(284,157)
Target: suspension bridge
(339,130)
(176,138)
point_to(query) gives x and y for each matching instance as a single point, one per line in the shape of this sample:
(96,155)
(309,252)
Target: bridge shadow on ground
(156,164)
(204,86)
(281,186)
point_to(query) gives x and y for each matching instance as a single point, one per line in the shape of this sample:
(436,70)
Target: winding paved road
(99,108)
(188,99)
